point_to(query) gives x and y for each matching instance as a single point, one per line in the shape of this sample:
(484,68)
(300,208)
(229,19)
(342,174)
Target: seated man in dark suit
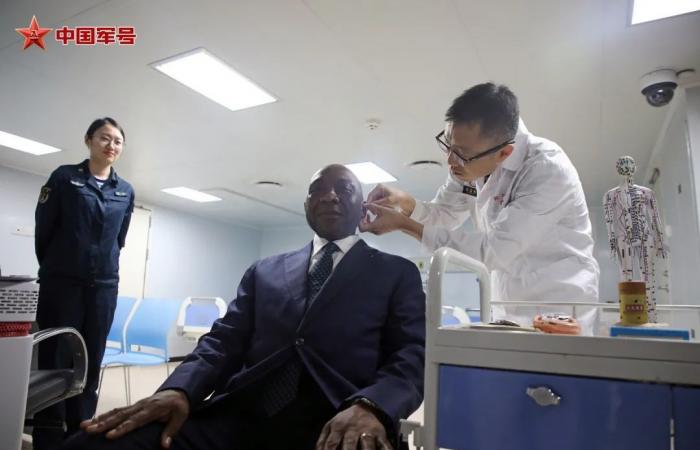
(322,348)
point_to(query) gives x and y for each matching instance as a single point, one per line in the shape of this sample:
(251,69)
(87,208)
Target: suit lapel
(352,264)
(296,266)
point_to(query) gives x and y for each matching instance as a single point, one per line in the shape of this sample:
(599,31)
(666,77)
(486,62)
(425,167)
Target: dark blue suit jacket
(363,335)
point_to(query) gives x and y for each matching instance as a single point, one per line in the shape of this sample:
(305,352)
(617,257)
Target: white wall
(284,239)
(19,192)
(191,256)
(693,122)
(609,272)
(676,194)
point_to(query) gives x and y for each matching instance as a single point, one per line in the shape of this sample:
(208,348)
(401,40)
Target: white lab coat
(531,223)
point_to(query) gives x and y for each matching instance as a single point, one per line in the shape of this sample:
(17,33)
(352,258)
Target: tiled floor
(144,381)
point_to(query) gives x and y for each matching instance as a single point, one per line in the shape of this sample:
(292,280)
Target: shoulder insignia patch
(44,194)
(469,190)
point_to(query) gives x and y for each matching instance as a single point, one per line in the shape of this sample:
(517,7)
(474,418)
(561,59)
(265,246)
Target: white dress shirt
(531,223)
(344,245)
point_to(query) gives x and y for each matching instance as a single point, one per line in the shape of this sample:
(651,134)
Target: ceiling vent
(372,124)
(425,164)
(268,184)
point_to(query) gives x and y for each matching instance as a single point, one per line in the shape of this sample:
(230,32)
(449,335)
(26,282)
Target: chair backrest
(121,315)
(197,314)
(454,315)
(201,314)
(201,311)
(150,323)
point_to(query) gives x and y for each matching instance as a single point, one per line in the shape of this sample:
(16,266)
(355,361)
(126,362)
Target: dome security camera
(658,86)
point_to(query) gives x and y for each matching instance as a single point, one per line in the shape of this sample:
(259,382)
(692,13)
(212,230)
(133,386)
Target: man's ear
(505,152)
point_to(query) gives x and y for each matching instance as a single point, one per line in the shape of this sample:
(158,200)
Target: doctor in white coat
(523,195)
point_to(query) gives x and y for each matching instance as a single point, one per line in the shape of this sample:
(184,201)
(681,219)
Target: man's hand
(392,197)
(352,428)
(169,406)
(388,220)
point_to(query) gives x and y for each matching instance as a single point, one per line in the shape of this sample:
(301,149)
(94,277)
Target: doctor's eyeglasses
(447,149)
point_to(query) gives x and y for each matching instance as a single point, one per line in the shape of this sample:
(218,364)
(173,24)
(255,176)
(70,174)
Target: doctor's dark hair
(99,123)
(493,107)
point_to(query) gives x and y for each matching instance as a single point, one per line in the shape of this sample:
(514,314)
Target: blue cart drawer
(490,409)
(686,418)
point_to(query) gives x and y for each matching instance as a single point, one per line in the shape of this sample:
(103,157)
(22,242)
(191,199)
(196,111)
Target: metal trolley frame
(627,359)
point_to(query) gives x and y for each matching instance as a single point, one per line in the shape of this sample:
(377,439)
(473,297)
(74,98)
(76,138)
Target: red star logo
(34,34)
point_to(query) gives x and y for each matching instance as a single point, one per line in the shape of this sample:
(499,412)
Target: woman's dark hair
(494,108)
(99,123)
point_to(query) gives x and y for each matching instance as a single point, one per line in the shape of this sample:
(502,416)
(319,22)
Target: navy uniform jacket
(80,228)
(363,336)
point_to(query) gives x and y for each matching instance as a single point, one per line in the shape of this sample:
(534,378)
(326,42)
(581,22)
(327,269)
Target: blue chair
(475,316)
(197,314)
(115,338)
(449,319)
(146,337)
(454,315)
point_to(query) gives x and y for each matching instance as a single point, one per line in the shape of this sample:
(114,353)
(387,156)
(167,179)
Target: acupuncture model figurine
(634,229)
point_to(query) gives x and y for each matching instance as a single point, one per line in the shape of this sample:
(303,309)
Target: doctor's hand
(387,220)
(392,197)
(169,406)
(354,428)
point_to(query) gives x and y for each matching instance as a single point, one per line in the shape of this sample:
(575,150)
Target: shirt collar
(515,160)
(344,244)
(113,178)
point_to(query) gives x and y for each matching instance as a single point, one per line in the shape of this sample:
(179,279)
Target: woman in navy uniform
(82,218)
